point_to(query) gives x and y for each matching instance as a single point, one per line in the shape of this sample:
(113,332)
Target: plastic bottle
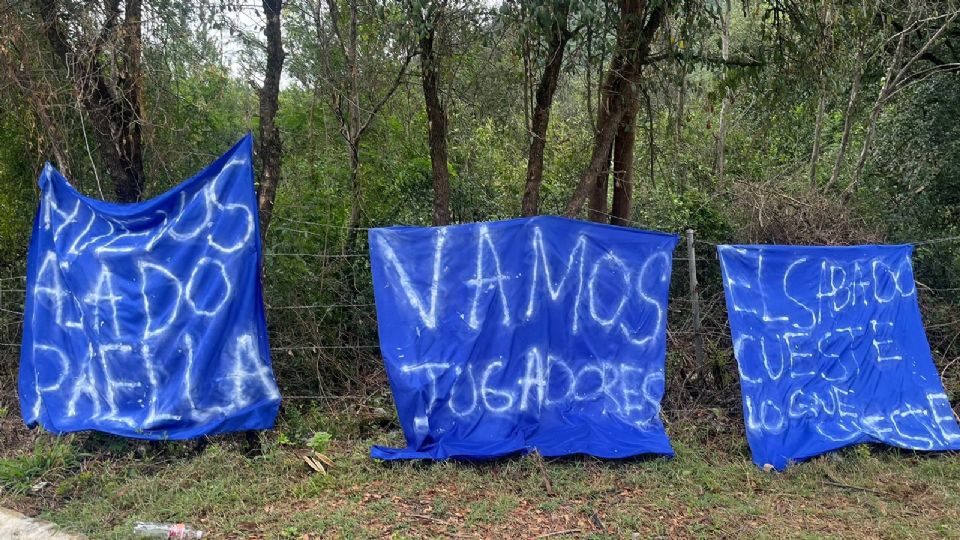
(166,530)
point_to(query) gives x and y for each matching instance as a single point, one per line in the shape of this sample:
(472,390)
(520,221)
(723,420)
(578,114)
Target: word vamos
(600,289)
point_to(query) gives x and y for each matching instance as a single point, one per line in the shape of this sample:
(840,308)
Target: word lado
(134,302)
(547,382)
(817,338)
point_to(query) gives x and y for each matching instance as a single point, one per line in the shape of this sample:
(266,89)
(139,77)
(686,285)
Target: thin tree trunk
(599,195)
(541,117)
(651,148)
(353,120)
(848,117)
(867,144)
(437,127)
(353,128)
(52,139)
(525,46)
(824,48)
(681,105)
(889,80)
(623,165)
(131,86)
(589,82)
(271,146)
(817,131)
(356,195)
(895,75)
(678,127)
(633,47)
(720,160)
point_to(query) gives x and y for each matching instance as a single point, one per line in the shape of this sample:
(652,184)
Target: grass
(23,472)
(101,485)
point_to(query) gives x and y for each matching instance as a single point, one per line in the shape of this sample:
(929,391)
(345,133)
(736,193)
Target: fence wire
(323,327)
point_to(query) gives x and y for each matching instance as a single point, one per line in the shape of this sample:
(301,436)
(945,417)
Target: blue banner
(530,334)
(146,320)
(832,351)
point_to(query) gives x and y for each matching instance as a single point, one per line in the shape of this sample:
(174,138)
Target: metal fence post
(695,300)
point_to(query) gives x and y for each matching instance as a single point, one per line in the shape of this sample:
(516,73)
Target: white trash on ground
(166,530)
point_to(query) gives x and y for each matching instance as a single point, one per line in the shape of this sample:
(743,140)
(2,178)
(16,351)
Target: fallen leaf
(315,464)
(324,459)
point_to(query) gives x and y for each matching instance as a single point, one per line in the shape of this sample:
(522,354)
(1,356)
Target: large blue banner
(146,320)
(832,351)
(530,334)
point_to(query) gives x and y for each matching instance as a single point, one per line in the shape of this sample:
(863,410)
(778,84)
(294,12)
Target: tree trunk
(525,46)
(541,117)
(632,49)
(352,118)
(353,128)
(678,126)
(848,117)
(270,144)
(115,110)
(720,160)
(356,195)
(597,201)
(52,138)
(587,77)
(817,131)
(823,51)
(889,80)
(867,144)
(130,81)
(437,126)
(623,164)
(895,75)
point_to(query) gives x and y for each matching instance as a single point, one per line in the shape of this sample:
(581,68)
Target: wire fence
(323,327)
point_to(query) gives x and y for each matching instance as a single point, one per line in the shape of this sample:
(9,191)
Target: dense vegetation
(782,121)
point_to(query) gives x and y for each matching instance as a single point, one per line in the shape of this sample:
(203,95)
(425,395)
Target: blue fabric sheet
(146,320)
(538,333)
(832,351)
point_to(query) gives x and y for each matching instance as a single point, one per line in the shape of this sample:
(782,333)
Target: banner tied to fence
(530,334)
(146,320)
(832,351)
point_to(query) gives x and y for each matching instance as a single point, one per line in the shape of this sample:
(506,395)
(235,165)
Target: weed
(319,441)
(49,456)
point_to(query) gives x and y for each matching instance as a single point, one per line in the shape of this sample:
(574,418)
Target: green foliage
(209,112)
(786,57)
(696,209)
(320,441)
(913,183)
(17,196)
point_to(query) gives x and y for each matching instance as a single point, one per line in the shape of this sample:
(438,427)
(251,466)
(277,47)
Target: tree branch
(704,58)
(386,97)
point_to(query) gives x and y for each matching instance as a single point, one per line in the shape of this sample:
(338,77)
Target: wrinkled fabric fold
(146,319)
(832,351)
(542,333)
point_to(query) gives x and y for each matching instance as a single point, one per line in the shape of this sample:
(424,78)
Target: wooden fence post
(695,300)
